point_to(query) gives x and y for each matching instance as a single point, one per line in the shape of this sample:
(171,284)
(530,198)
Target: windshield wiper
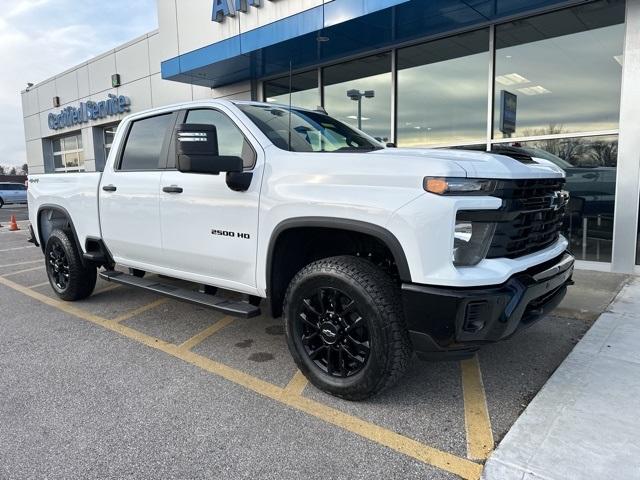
(358,149)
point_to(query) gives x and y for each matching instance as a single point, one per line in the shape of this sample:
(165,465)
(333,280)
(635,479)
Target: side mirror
(197,151)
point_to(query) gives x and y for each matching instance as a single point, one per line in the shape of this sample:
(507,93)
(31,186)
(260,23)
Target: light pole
(356,96)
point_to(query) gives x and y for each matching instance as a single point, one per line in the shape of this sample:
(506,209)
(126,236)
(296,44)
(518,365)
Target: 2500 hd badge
(230,234)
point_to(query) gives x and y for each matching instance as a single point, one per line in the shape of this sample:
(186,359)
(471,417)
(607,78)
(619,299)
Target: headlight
(459,186)
(471,242)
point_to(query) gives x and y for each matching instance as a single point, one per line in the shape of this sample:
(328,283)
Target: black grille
(537,208)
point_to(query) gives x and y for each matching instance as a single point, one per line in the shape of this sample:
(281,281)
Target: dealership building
(548,78)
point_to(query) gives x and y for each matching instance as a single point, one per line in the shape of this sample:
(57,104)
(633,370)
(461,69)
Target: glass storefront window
(108,133)
(442,91)
(68,155)
(560,72)
(371,75)
(590,165)
(304,90)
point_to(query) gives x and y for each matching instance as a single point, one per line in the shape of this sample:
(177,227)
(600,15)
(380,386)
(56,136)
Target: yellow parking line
(206,333)
(17,248)
(476,414)
(106,289)
(21,263)
(297,384)
(39,267)
(100,290)
(412,448)
(139,310)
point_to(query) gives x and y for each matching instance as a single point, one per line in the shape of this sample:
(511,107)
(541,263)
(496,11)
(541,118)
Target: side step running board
(216,302)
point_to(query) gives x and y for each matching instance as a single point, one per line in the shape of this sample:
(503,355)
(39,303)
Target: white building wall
(35,157)
(138,63)
(187,26)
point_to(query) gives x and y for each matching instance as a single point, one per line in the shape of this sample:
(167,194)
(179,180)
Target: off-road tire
(377,299)
(81,279)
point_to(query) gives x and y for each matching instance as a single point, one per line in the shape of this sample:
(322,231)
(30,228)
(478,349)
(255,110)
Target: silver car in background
(12,193)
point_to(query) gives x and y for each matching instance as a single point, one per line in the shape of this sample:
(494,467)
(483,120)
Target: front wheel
(69,278)
(345,327)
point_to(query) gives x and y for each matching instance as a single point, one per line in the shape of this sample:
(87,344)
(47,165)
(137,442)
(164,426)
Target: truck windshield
(310,131)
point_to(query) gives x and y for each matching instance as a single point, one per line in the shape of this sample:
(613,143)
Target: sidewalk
(584,423)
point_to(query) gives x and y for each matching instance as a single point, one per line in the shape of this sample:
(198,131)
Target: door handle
(172,189)
(109,188)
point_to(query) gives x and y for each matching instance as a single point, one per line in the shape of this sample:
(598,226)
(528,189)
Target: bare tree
(1,170)
(25,169)
(604,154)
(13,171)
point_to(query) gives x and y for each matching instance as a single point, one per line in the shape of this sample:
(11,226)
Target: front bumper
(455,322)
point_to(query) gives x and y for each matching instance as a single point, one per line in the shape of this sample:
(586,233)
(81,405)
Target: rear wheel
(69,278)
(345,327)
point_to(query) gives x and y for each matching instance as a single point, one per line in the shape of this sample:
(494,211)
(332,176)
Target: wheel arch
(58,217)
(346,226)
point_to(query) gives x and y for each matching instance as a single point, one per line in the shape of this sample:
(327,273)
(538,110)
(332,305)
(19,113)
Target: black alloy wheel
(70,278)
(333,332)
(345,327)
(58,265)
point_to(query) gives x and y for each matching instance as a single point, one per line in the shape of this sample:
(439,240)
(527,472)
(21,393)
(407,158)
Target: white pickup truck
(368,252)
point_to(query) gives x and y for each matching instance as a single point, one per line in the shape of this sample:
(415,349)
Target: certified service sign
(114,105)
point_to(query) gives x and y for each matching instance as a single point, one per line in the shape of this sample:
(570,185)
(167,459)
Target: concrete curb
(584,421)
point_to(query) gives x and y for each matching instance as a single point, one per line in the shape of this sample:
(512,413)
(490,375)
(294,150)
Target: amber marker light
(459,186)
(436,185)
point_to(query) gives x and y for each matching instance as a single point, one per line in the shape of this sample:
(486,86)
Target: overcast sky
(40,38)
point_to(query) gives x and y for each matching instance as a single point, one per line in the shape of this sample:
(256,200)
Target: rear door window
(145,146)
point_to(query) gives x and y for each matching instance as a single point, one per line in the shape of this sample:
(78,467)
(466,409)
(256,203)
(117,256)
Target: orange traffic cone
(13,225)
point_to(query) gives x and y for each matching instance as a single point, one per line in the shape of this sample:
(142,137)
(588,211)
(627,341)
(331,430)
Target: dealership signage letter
(88,111)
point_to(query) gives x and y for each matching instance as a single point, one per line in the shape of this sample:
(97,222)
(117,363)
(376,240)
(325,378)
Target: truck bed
(77,193)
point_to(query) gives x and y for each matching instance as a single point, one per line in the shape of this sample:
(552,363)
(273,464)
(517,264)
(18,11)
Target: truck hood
(480,164)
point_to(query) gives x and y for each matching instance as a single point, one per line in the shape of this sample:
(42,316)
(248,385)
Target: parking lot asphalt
(20,211)
(130,384)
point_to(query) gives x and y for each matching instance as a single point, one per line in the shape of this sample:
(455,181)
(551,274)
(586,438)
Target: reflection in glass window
(442,91)
(304,131)
(231,141)
(590,165)
(304,90)
(68,155)
(365,74)
(564,69)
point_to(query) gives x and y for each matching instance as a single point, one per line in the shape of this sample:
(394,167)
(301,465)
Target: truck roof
(213,102)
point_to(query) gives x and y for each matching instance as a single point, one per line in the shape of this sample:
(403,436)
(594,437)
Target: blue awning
(352,26)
